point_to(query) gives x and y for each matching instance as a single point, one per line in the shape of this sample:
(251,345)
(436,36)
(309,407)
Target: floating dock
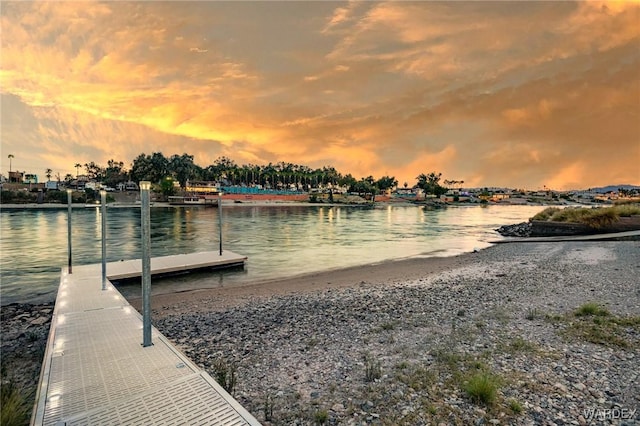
(96,371)
(174,264)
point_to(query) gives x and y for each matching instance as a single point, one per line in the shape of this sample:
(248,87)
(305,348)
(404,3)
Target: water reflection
(279,240)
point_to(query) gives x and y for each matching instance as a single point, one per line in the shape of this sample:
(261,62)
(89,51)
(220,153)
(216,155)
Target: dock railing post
(145,186)
(220,220)
(69,191)
(103,218)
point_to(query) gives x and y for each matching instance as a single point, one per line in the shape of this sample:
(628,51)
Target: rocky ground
(517,230)
(406,353)
(24,330)
(428,350)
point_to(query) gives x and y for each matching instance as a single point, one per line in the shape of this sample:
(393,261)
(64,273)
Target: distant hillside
(614,188)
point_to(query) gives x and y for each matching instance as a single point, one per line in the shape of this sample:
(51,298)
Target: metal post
(103,217)
(70,270)
(220,219)
(146,263)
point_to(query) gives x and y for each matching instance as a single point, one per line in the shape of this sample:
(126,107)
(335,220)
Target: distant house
(92,184)
(16,177)
(404,191)
(454,195)
(127,186)
(30,178)
(77,184)
(201,187)
(500,197)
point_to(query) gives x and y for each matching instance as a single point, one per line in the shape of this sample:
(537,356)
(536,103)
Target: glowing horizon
(521,94)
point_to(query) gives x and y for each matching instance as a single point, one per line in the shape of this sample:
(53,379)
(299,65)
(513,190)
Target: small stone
(579,386)
(337,408)
(39,321)
(562,388)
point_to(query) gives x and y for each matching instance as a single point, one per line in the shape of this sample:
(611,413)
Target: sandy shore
(383,273)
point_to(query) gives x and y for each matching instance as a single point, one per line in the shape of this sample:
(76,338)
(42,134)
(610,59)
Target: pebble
(579,386)
(562,388)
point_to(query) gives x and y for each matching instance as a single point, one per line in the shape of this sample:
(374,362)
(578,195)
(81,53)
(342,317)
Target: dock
(173,264)
(96,371)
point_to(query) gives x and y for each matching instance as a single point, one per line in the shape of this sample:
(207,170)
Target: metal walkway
(96,372)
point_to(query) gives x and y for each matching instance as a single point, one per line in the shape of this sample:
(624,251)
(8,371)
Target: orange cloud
(570,176)
(512,94)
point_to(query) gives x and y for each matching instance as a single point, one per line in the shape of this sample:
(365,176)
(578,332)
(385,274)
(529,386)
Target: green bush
(14,406)
(515,406)
(595,217)
(225,374)
(482,388)
(321,417)
(373,369)
(627,209)
(18,197)
(545,214)
(591,309)
(54,196)
(601,220)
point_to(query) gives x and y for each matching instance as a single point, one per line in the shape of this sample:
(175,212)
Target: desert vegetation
(592,217)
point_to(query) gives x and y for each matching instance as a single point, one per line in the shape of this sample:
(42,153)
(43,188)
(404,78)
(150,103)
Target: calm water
(279,241)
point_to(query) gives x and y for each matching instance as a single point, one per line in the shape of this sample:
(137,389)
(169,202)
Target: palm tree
(77,166)
(48,173)
(10,156)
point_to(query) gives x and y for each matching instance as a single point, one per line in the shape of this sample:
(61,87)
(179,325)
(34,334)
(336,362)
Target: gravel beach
(492,337)
(402,342)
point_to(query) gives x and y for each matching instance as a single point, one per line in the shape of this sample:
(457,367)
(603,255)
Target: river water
(279,241)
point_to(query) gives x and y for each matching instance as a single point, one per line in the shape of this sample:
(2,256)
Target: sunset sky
(517,94)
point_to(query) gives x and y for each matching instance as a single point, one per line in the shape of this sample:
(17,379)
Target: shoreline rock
(538,228)
(522,229)
(25,329)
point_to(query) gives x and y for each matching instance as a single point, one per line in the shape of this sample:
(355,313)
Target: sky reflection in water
(280,241)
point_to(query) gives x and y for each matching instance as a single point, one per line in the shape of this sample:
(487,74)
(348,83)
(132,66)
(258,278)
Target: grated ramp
(95,370)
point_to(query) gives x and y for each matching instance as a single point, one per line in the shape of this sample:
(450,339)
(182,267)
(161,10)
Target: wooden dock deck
(96,371)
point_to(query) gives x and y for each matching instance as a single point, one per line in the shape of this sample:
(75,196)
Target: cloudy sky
(518,94)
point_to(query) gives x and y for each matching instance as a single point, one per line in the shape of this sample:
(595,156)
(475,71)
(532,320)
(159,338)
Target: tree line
(162,171)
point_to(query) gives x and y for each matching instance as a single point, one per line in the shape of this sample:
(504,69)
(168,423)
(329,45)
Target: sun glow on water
(279,241)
